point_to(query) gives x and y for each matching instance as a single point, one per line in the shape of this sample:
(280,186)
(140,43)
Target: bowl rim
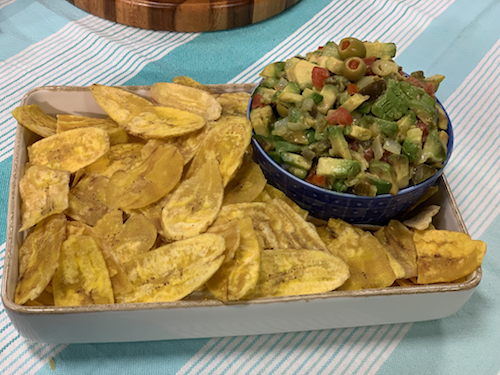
(320,190)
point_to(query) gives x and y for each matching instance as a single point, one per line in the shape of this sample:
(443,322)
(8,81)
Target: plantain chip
(39,257)
(71,150)
(124,156)
(82,277)
(189,144)
(398,241)
(121,105)
(234,103)
(291,230)
(445,256)
(188,81)
(44,299)
(423,219)
(87,200)
(173,271)
(44,192)
(294,272)
(126,240)
(35,119)
(270,192)
(232,236)
(186,98)
(246,185)
(367,259)
(148,182)
(238,274)
(227,144)
(195,204)
(116,134)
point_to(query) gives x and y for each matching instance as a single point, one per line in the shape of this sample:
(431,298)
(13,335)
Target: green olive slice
(354,68)
(350,47)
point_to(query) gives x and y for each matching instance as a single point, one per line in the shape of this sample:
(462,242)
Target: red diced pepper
(318,76)
(256,101)
(340,116)
(352,88)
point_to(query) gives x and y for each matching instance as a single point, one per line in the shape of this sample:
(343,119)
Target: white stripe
(239,353)
(200,355)
(5,3)
(219,358)
(390,349)
(34,364)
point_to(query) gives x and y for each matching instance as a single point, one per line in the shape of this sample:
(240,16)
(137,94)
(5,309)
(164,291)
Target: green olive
(350,47)
(354,69)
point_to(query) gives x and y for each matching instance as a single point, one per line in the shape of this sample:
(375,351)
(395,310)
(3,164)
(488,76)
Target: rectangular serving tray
(198,315)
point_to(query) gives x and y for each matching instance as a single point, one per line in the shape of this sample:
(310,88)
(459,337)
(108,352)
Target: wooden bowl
(185,15)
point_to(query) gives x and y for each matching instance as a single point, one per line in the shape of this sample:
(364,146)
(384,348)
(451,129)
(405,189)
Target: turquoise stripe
(29,19)
(5,168)
(242,47)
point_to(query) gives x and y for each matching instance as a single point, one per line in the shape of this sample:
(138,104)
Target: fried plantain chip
(44,192)
(44,299)
(423,219)
(398,241)
(116,134)
(35,119)
(153,212)
(189,144)
(173,271)
(238,275)
(234,103)
(445,256)
(291,230)
(82,277)
(367,259)
(148,182)
(186,98)
(270,192)
(195,204)
(295,272)
(227,144)
(231,233)
(87,200)
(246,185)
(188,81)
(124,156)
(71,150)
(39,257)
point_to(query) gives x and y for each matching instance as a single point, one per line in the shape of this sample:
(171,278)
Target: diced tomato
(340,116)
(320,47)
(368,154)
(423,126)
(256,101)
(318,76)
(313,178)
(369,60)
(352,88)
(385,156)
(429,88)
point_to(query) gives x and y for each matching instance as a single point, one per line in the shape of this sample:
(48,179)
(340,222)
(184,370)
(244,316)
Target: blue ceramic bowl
(355,209)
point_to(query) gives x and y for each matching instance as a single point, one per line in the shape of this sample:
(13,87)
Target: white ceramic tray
(198,317)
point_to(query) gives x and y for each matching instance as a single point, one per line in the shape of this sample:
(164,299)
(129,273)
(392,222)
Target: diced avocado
(295,115)
(436,79)
(442,118)
(339,169)
(357,132)
(266,93)
(392,104)
(275,156)
(386,172)
(364,108)
(289,97)
(331,49)
(270,82)
(310,135)
(422,172)
(329,94)
(296,160)
(339,185)
(318,59)
(404,124)
(389,128)
(380,50)
(282,109)
(308,93)
(416,93)
(284,146)
(382,186)
(434,150)
(334,64)
(401,166)
(412,144)
(273,69)
(298,172)
(427,113)
(339,144)
(296,119)
(261,119)
(343,97)
(292,87)
(354,101)
(365,188)
(301,74)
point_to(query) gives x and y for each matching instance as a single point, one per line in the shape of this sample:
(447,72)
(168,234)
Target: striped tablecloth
(51,42)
